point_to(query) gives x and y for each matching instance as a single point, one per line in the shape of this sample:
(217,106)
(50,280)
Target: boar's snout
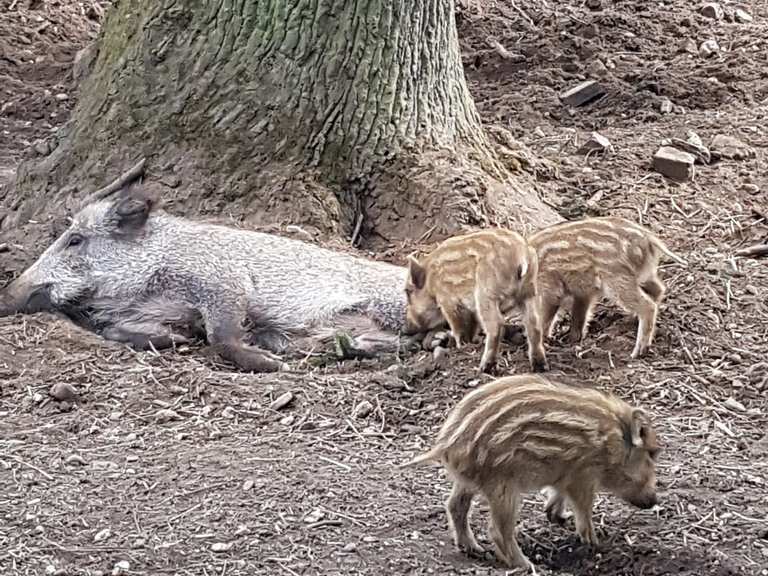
(16,299)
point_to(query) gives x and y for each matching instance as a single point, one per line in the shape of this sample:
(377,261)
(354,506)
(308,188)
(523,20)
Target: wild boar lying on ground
(524,433)
(478,276)
(586,260)
(138,275)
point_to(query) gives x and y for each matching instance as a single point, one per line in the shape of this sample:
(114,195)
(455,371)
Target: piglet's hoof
(540,365)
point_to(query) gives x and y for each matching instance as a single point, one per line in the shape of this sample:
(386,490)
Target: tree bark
(350,116)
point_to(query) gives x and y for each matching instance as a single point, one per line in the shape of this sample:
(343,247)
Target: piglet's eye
(75,240)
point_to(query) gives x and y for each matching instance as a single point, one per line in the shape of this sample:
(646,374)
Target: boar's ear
(131,211)
(416,273)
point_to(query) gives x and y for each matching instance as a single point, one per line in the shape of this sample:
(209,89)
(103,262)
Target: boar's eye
(654,453)
(75,240)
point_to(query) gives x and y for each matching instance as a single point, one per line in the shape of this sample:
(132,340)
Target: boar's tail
(657,243)
(434,456)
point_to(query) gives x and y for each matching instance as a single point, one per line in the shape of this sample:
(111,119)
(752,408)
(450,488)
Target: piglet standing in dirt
(478,276)
(138,275)
(523,433)
(583,261)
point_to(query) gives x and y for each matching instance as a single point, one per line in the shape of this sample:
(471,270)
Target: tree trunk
(352,117)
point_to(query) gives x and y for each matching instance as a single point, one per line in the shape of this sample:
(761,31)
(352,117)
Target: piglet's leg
(555,506)
(582,496)
(504,503)
(458,506)
(225,331)
(492,322)
(535,335)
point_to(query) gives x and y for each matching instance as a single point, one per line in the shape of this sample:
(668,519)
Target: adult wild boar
(135,274)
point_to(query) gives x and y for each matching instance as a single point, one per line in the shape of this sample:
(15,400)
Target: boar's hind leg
(458,506)
(504,502)
(144,339)
(226,333)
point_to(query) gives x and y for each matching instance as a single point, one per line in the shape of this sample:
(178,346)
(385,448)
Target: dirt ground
(174,464)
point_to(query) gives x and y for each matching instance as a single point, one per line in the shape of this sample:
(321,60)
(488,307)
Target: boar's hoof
(251,359)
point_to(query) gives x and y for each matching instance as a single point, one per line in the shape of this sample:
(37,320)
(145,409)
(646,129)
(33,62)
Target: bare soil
(175,464)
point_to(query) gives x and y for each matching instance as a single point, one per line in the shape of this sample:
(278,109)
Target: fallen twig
(27,464)
(756,251)
(117,184)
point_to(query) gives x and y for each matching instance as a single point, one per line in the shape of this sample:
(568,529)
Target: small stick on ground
(756,251)
(128,177)
(27,464)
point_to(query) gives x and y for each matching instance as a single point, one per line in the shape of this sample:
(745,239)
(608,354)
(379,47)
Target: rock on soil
(674,164)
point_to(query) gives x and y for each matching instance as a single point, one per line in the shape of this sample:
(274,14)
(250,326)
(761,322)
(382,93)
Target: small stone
(229,413)
(222,546)
(688,45)
(597,68)
(708,48)
(166,415)
(281,401)
(596,143)
(742,16)
(63,391)
(287,420)
(348,548)
(41,147)
(74,459)
(362,410)
(247,485)
(724,146)
(440,356)
(37,398)
(674,164)
(314,516)
(121,567)
(472,383)
(369,539)
(102,535)
(734,404)
(751,188)
(665,106)
(712,10)
(61,97)
(583,93)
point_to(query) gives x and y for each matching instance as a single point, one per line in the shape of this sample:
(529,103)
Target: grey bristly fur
(143,276)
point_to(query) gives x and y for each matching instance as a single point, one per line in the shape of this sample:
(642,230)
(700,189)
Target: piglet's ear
(417,274)
(638,427)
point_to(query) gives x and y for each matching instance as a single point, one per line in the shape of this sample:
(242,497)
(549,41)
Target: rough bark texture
(325,113)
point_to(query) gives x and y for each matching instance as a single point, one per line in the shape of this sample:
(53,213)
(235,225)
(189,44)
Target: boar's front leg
(144,337)
(225,331)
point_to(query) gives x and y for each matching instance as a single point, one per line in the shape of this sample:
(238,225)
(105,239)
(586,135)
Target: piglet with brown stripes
(586,260)
(525,433)
(479,276)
